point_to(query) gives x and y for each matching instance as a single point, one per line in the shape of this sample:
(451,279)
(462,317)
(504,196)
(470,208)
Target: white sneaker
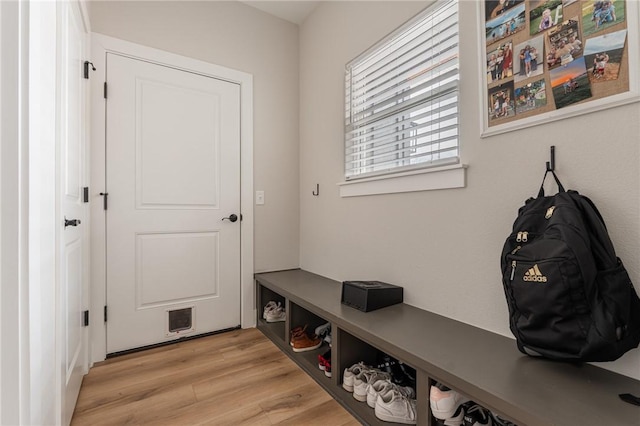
(364,380)
(395,407)
(349,376)
(384,386)
(445,403)
(457,419)
(275,314)
(268,307)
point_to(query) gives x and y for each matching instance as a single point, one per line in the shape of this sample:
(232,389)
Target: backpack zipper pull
(513,269)
(525,236)
(519,237)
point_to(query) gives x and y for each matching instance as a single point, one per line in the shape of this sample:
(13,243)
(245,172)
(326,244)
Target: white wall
(236,36)
(444,246)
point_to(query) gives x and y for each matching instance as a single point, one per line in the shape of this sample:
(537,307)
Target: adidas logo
(534,274)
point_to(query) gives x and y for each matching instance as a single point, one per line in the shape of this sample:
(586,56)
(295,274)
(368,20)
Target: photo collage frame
(546,55)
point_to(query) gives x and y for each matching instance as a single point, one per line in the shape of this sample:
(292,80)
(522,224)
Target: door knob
(231,218)
(71,222)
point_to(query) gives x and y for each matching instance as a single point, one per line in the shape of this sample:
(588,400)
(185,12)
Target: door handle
(71,222)
(231,218)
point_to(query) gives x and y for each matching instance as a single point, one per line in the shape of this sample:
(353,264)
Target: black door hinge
(105,90)
(105,313)
(85,318)
(85,194)
(105,199)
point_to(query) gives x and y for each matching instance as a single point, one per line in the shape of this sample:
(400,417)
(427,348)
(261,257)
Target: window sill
(446,177)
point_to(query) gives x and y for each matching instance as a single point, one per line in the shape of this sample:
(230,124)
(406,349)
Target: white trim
(84,13)
(14,213)
(100,46)
(633,95)
(445,177)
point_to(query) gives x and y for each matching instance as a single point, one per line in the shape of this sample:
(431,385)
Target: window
(402,98)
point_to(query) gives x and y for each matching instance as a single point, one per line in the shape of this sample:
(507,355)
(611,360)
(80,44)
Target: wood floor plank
(319,415)
(296,401)
(234,378)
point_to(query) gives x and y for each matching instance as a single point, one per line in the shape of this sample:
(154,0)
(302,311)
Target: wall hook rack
(551,164)
(317,191)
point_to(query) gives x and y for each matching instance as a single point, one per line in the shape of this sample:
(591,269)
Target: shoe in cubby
(401,374)
(365,379)
(324,363)
(274,312)
(302,342)
(456,420)
(323,329)
(444,402)
(477,415)
(384,386)
(395,407)
(350,373)
(500,421)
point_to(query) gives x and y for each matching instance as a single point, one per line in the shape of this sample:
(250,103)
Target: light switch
(259,198)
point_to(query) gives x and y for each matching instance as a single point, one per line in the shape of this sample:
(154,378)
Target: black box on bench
(370,295)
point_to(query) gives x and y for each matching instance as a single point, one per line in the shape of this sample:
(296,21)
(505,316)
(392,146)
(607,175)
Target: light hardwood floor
(238,377)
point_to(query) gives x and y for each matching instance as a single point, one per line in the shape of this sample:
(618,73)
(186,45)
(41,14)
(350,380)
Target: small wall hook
(551,164)
(317,191)
(86,68)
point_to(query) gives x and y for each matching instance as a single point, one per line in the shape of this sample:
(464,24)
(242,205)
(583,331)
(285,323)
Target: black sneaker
(476,415)
(385,362)
(501,422)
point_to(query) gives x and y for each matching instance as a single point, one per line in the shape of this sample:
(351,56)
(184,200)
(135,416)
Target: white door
(72,224)
(173,177)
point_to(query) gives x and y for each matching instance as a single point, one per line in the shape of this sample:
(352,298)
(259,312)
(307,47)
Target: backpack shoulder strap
(560,187)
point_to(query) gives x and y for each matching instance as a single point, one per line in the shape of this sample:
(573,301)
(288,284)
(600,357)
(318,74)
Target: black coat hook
(86,68)
(551,164)
(317,191)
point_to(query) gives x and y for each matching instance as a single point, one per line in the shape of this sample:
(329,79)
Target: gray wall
(236,36)
(444,246)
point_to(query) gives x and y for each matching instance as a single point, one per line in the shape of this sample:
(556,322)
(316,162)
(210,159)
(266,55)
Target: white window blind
(402,98)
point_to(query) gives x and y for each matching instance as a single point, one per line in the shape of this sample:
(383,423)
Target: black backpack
(569,296)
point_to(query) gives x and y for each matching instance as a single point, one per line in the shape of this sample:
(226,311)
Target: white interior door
(71,148)
(173,176)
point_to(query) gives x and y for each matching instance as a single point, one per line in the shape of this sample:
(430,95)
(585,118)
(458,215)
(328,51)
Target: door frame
(100,46)
(15,398)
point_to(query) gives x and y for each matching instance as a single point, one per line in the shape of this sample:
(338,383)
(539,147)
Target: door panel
(163,260)
(173,174)
(195,154)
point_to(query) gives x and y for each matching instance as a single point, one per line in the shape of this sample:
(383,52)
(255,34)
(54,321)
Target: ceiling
(292,11)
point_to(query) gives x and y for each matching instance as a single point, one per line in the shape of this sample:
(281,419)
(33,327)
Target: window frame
(403,169)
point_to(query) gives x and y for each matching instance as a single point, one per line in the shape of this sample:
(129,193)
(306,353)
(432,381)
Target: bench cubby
(274,330)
